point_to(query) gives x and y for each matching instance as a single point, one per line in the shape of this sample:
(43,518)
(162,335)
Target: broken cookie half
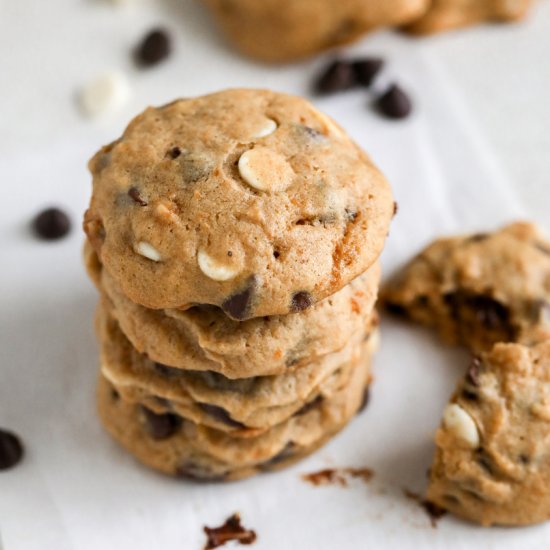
(492,463)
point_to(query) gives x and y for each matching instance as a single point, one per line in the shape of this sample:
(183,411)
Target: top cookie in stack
(234,240)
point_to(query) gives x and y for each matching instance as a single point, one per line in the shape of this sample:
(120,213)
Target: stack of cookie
(234,239)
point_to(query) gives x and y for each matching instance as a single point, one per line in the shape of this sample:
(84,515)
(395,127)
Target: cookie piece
(249,200)
(243,407)
(204,338)
(492,464)
(286,30)
(443,15)
(480,289)
(181,448)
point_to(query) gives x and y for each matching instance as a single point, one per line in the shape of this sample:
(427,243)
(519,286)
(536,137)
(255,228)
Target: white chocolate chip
(459,423)
(265,170)
(150,252)
(268,127)
(213,269)
(105,93)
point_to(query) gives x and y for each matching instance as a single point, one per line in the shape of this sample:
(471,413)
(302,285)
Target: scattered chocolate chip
(472,376)
(51,224)
(220,414)
(230,530)
(238,305)
(394,103)
(154,48)
(365,400)
(300,301)
(135,195)
(161,426)
(366,69)
(309,406)
(338,76)
(174,153)
(11,450)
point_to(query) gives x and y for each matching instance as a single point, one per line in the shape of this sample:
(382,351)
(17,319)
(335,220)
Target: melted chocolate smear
(161,426)
(337,476)
(221,415)
(11,450)
(230,530)
(135,195)
(238,305)
(300,301)
(434,511)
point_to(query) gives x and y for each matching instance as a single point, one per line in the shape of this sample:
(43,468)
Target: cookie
(249,200)
(286,30)
(204,338)
(492,463)
(243,407)
(179,447)
(479,289)
(443,15)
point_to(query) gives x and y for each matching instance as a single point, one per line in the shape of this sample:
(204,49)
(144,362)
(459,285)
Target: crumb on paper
(230,530)
(337,476)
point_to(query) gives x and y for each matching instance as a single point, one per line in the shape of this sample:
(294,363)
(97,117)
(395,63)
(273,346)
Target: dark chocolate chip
(220,414)
(238,305)
(337,77)
(472,376)
(161,426)
(51,224)
(366,69)
(231,530)
(300,301)
(135,195)
(314,403)
(394,103)
(365,400)
(154,48)
(174,153)
(276,254)
(11,450)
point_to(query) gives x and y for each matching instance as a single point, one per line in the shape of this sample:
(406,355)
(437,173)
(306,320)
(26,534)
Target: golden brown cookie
(443,15)
(206,339)
(176,446)
(492,463)
(479,289)
(286,30)
(249,200)
(243,407)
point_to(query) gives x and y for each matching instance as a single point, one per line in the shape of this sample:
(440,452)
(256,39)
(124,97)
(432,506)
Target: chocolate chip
(51,224)
(524,459)
(366,69)
(221,415)
(300,301)
(365,400)
(238,305)
(394,103)
(135,195)
(154,48)
(161,426)
(11,450)
(337,77)
(174,153)
(472,376)
(230,530)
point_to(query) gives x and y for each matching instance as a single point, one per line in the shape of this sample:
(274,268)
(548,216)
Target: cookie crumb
(337,476)
(230,530)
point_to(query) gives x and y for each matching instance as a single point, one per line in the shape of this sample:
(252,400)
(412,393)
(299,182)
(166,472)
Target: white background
(475,154)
